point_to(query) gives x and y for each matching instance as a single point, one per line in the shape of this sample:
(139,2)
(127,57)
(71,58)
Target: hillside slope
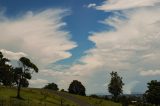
(41,97)
(32,97)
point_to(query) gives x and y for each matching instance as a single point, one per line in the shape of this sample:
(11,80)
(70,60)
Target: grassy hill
(95,102)
(98,102)
(39,97)
(32,97)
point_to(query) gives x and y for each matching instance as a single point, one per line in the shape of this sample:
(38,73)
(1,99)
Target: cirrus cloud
(12,55)
(133,44)
(38,34)
(150,73)
(110,5)
(38,82)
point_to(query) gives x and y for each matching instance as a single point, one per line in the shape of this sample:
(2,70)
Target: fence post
(2,101)
(61,102)
(28,101)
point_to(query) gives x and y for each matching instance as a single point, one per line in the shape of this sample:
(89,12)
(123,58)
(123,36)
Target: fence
(16,102)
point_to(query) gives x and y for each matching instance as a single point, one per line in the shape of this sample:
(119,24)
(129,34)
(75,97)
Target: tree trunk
(19,89)
(115,98)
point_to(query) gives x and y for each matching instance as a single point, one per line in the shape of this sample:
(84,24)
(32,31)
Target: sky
(84,40)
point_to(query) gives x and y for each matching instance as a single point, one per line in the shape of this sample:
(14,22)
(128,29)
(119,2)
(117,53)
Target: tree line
(115,87)
(19,76)
(16,76)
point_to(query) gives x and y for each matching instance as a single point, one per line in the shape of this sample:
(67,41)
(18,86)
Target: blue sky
(84,40)
(80,21)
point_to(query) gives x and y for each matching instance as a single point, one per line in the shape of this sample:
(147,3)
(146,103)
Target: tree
(152,95)
(115,86)
(51,86)
(6,73)
(76,87)
(22,73)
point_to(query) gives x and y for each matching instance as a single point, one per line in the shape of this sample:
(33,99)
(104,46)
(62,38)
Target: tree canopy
(51,86)
(152,95)
(116,84)
(76,87)
(23,73)
(6,73)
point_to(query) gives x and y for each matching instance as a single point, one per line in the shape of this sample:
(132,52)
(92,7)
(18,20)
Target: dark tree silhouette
(115,86)
(76,87)
(51,86)
(17,74)
(22,73)
(152,95)
(6,73)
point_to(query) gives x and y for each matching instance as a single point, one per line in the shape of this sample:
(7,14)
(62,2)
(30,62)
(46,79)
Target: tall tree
(76,87)
(152,95)
(52,86)
(115,86)
(23,73)
(6,73)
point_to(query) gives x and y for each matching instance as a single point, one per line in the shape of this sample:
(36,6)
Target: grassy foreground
(40,97)
(98,102)
(32,97)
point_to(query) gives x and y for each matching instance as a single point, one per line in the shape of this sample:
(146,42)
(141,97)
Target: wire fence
(28,102)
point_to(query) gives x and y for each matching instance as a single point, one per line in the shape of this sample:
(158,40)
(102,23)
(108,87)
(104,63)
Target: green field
(32,97)
(98,102)
(40,97)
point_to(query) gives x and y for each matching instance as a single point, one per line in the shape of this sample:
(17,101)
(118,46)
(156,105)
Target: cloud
(40,35)
(38,82)
(132,44)
(110,5)
(129,87)
(91,5)
(150,73)
(12,55)
(50,72)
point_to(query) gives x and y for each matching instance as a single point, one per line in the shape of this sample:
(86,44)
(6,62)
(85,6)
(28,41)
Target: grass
(41,97)
(32,97)
(98,102)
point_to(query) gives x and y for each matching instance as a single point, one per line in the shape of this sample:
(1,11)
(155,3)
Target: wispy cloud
(129,87)
(38,34)
(150,73)
(132,45)
(38,82)
(91,5)
(12,55)
(109,5)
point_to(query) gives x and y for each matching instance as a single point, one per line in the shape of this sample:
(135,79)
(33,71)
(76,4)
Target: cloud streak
(150,73)
(13,55)
(91,5)
(110,5)
(38,82)
(38,34)
(131,46)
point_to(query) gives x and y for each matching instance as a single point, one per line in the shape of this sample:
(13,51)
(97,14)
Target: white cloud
(129,87)
(38,34)
(131,41)
(12,55)
(133,44)
(49,72)
(150,73)
(91,5)
(38,82)
(109,5)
